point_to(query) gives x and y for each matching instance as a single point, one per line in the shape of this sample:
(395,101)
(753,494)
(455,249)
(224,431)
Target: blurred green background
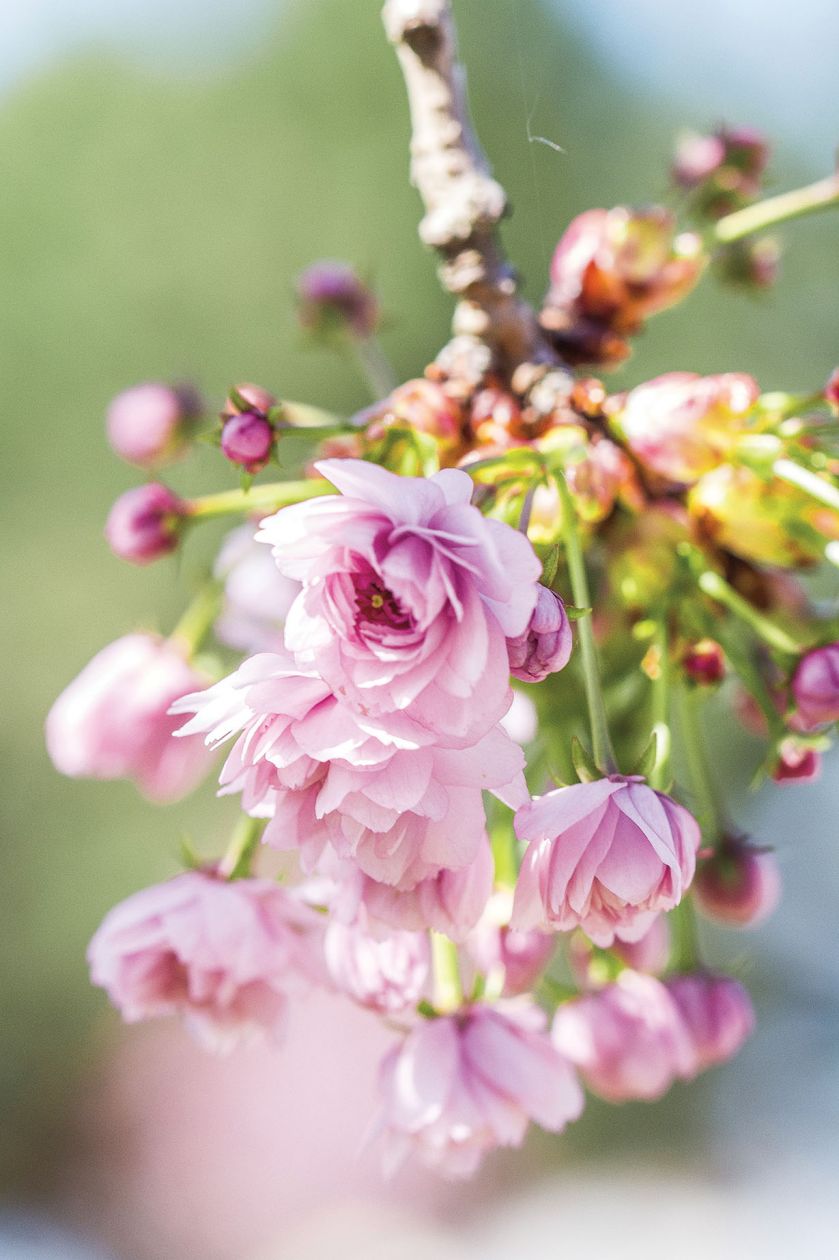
(152,221)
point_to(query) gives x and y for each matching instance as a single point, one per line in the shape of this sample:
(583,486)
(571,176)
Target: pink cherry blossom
(545,646)
(496,948)
(386,971)
(373,788)
(256,595)
(460,1086)
(149,424)
(628,1039)
(409,595)
(112,722)
(717,1012)
(604,856)
(224,955)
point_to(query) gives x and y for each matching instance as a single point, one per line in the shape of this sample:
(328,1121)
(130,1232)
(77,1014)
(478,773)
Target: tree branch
(463,203)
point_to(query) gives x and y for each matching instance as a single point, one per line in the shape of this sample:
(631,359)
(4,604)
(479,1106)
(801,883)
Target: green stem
(659,775)
(811,483)
(259,498)
(244,842)
(374,366)
(448,990)
(505,855)
(685,951)
(197,619)
(708,809)
(601,743)
(304,416)
(775,210)
(716,587)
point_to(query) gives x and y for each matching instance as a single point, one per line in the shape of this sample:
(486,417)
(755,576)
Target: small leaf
(577,614)
(583,762)
(550,566)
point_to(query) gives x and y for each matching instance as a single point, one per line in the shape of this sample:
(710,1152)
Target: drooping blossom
(373,788)
(815,686)
(148,425)
(738,884)
(628,1039)
(460,1086)
(704,662)
(650,952)
(409,595)
(223,955)
(717,1012)
(450,902)
(113,721)
(545,646)
(681,425)
(385,971)
(497,949)
(144,523)
(256,595)
(604,856)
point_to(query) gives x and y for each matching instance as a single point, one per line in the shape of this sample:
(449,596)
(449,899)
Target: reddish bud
(797,762)
(739,884)
(815,686)
(247,439)
(704,662)
(144,523)
(495,415)
(424,406)
(332,293)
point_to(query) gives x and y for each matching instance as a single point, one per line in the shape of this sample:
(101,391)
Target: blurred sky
(722,50)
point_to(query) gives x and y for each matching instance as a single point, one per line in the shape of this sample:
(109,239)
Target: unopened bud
(738,884)
(545,646)
(247,439)
(332,294)
(815,686)
(248,397)
(704,662)
(144,523)
(148,425)
(831,390)
(797,762)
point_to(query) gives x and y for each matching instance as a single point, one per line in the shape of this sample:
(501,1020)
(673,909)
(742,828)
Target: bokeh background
(167,168)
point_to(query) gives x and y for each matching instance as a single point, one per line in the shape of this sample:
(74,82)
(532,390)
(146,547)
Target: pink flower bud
(717,1013)
(797,762)
(738,884)
(112,722)
(815,686)
(545,646)
(148,425)
(247,439)
(144,523)
(386,972)
(697,158)
(223,955)
(423,406)
(682,425)
(604,856)
(460,1086)
(254,396)
(628,1039)
(704,663)
(332,293)
(494,947)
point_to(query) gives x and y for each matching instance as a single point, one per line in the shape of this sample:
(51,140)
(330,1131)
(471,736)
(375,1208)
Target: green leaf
(583,762)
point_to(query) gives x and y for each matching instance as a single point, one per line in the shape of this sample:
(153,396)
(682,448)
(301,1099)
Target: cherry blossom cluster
(444,662)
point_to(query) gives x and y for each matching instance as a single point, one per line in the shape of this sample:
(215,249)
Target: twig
(463,203)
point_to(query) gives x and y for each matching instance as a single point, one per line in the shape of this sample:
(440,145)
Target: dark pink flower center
(376,604)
